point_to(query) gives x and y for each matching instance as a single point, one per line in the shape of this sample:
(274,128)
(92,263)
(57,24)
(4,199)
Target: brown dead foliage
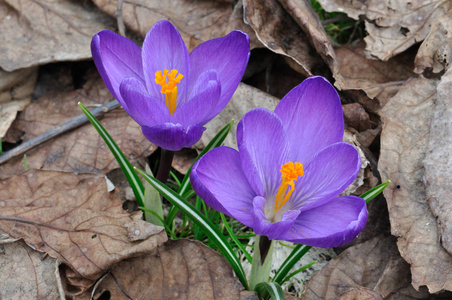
(47,31)
(197,21)
(407,120)
(393,26)
(26,273)
(379,80)
(16,89)
(436,51)
(180,269)
(370,270)
(73,218)
(81,150)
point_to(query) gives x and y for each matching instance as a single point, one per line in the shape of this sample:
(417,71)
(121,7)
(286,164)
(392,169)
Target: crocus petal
(198,109)
(173,137)
(228,56)
(326,176)
(116,58)
(217,177)
(273,231)
(163,48)
(263,149)
(333,224)
(312,117)
(145,110)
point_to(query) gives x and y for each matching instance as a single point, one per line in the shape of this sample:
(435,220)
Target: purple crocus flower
(166,90)
(291,166)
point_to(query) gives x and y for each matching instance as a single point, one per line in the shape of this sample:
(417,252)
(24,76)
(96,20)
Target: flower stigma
(169,87)
(290,172)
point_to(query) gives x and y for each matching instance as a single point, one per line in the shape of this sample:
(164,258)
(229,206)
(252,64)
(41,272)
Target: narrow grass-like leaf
(199,219)
(234,238)
(290,261)
(270,289)
(132,177)
(298,271)
(374,192)
(185,187)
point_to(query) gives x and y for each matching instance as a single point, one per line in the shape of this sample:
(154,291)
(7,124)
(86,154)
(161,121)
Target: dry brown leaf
(281,33)
(379,80)
(438,161)
(404,143)
(197,21)
(180,269)
(27,274)
(374,265)
(16,89)
(81,150)
(436,50)
(73,218)
(183,160)
(393,26)
(40,32)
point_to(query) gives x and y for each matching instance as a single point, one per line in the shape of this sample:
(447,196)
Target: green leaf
(269,289)
(185,188)
(234,238)
(199,219)
(297,253)
(153,203)
(374,192)
(298,271)
(132,177)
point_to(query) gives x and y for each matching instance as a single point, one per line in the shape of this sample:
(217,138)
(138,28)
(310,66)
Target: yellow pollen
(290,172)
(169,87)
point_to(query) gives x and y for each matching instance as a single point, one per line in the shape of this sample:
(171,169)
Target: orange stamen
(169,87)
(290,172)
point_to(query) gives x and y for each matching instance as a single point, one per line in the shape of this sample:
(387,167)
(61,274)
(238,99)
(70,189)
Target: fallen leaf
(16,89)
(407,120)
(26,273)
(438,161)
(40,32)
(183,160)
(73,218)
(356,116)
(197,21)
(379,80)
(436,50)
(393,26)
(281,33)
(370,270)
(180,269)
(81,150)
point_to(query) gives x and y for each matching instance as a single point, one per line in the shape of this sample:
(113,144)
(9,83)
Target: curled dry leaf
(393,26)
(438,161)
(379,80)
(436,50)
(180,269)
(16,89)
(197,21)
(81,150)
(27,274)
(289,32)
(406,132)
(40,32)
(370,270)
(73,218)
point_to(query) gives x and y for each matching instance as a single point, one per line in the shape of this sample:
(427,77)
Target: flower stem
(166,158)
(262,261)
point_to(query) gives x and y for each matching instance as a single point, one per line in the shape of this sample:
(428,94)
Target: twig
(56,131)
(119,20)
